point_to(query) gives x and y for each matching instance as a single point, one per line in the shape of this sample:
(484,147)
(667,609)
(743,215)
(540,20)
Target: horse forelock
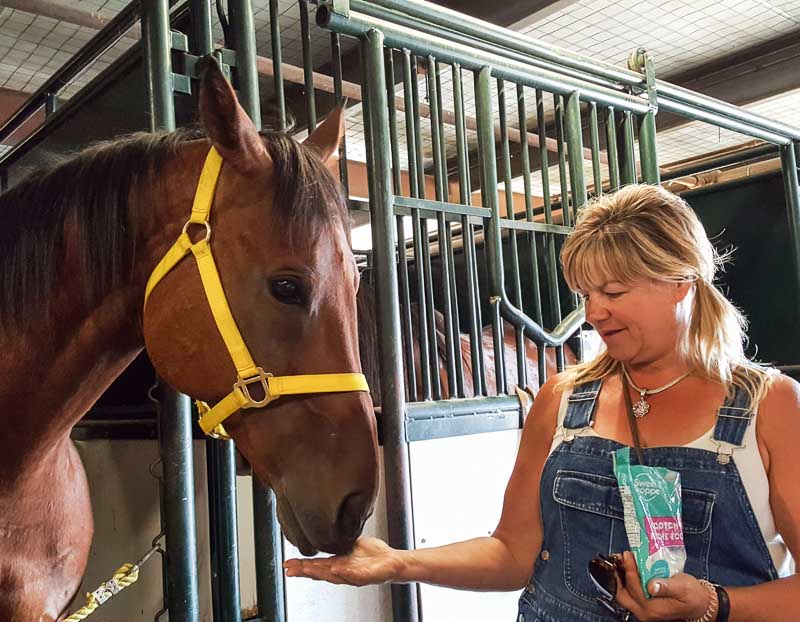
(307,196)
(89,198)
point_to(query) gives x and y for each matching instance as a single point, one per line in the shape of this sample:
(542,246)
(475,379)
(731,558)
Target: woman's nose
(595,311)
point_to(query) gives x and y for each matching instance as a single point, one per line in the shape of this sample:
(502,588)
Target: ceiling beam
(744,77)
(64,12)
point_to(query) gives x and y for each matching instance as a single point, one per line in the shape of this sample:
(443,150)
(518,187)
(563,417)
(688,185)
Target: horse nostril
(352,515)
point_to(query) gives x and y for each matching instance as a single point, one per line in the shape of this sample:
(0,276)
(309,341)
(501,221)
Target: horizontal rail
(395,36)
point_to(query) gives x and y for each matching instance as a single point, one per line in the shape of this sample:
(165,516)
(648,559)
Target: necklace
(641,408)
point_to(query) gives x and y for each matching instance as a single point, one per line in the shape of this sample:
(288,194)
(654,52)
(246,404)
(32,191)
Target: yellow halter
(247,371)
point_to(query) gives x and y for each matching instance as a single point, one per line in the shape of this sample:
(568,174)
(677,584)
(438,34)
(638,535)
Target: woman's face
(640,321)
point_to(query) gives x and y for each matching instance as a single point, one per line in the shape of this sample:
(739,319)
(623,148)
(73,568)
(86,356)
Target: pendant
(641,408)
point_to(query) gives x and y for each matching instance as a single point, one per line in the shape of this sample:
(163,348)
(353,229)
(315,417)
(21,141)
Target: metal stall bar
(512,233)
(395,446)
(175,424)
(611,145)
(440,180)
(532,244)
(411,152)
(626,148)
(789,163)
(402,256)
(566,201)
(336,62)
(308,65)
(594,135)
(277,63)
(551,261)
(468,236)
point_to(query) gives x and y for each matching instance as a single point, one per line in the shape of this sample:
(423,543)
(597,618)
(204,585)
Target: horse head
(278,234)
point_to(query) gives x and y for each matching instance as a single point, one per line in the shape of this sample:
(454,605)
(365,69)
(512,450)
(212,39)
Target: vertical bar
(625,142)
(442,225)
(201,38)
(430,355)
(574,139)
(611,148)
(175,439)
(417,130)
(512,237)
(244,36)
(402,258)
(534,267)
(493,239)
(336,61)
(551,262)
(175,428)
(411,152)
(277,64)
(157,45)
(594,132)
(566,215)
(270,589)
(467,236)
(308,66)
(647,148)
(792,189)
(395,448)
(225,596)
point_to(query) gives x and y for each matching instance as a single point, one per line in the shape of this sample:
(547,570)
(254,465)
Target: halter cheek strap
(247,372)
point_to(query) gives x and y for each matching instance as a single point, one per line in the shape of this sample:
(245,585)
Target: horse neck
(57,367)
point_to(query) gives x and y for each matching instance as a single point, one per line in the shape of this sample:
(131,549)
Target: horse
(368,340)
(86,241)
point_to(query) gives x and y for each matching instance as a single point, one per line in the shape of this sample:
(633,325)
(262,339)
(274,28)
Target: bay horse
(368,346)
(78,246)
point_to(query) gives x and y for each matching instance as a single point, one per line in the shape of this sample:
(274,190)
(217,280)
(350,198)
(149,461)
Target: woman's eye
(614,294)
(287,291)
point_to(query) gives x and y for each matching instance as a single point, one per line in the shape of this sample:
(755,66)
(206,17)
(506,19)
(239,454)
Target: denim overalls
(582,513)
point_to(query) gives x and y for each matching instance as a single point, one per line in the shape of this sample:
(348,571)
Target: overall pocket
(590,509)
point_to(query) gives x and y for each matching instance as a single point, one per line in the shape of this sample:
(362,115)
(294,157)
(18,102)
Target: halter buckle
(205,224)
(243,385)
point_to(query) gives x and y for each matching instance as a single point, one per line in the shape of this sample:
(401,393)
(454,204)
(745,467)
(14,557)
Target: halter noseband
(247,372)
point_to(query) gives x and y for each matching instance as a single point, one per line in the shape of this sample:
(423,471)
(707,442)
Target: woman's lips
(608,334)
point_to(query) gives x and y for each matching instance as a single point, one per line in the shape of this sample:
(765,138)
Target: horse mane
(90,195)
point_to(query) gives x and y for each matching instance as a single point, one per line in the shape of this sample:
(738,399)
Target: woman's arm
(503,561)
(778,431)
(683,596)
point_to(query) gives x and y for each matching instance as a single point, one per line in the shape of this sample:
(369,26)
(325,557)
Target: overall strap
(733,418)
(581,404)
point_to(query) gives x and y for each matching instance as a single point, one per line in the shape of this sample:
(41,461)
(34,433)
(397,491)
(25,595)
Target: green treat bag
(651,503)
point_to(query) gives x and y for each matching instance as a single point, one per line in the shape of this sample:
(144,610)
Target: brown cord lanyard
(626,393)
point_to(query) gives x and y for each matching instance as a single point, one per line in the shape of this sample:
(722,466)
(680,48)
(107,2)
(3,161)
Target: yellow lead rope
(126,575)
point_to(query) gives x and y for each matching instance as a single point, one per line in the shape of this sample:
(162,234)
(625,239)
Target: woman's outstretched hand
(681,597)
(371,561)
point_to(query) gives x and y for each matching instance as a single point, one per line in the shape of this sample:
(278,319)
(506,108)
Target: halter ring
(243,385)
(189,223)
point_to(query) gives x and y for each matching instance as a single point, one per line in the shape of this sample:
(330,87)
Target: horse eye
(287,291)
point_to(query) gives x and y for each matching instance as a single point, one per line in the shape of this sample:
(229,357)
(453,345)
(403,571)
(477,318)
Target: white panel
(458,486)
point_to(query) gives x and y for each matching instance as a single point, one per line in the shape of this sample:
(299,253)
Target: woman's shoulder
(782,399)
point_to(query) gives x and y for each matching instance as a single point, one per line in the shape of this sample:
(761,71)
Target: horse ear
(325,140)
(229,128)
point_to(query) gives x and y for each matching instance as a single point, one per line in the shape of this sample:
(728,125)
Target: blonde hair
(644,231)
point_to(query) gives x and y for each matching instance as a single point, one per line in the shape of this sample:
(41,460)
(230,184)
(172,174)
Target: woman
(645,269)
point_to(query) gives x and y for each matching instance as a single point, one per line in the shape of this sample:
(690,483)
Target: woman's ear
(682,289)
